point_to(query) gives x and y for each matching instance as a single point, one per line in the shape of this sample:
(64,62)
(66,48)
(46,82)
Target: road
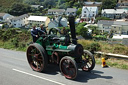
(15,70)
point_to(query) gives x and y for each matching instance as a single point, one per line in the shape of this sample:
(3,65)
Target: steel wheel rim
(35,59)
(87,60)
(68,69)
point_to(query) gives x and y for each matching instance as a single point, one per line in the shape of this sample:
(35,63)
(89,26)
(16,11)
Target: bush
(9,33)
(95,47)
(15,41)
(90,45)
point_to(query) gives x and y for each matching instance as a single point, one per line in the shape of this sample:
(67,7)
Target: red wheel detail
(88,61)
(68,67)
(35,58)
(55,57)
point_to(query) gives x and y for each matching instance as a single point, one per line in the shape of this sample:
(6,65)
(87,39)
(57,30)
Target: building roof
(20,17)
(2,14)
(36,6)
(92,3)
(38,18)
(89,3)
(114,11)
(56,10)
(91,8)
(108,22)
(71,10)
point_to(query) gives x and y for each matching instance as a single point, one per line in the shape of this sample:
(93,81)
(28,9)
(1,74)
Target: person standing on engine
(35,33)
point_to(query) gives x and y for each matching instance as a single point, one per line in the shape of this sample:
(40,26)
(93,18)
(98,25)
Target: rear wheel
(68,67)
(37,57)
(88,61)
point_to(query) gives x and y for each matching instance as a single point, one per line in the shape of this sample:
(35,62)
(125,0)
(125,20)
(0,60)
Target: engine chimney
(71,20)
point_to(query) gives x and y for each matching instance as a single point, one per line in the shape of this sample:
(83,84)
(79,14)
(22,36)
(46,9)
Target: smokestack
(71,20)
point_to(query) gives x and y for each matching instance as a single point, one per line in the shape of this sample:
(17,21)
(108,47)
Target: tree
(109,4)
(94,30)
(19,9)
(49,3)
(79,11)
(81,30)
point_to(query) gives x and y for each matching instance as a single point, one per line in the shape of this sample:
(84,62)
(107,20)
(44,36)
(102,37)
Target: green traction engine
(59,49)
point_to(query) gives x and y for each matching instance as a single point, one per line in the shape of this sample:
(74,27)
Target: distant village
(90,10)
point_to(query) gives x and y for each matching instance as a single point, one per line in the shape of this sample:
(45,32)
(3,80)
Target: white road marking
(37,76)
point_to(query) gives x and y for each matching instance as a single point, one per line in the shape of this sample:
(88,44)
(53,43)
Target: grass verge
(113,62)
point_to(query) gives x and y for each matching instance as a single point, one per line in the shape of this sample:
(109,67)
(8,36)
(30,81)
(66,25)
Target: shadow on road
(52,69)
(85,76)
(81,76)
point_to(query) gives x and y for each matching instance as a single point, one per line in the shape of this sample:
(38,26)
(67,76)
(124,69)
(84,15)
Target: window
(84,11)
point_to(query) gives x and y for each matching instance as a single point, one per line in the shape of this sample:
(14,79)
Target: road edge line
(37,76)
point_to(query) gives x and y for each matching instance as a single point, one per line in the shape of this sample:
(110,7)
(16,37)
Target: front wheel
(68,67)
(88,61)
(37,57)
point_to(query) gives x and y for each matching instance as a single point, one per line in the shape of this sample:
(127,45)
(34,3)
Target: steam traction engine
(55,48)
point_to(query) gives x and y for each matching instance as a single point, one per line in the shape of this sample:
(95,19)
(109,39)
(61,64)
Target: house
(36,6)
(5,16)
(1,25)
(122,4)
(71,11)
(118,27)
(89,13)
(114,13)
(98,4)
(56,11)
(58,22)
(38,20)
(19,21)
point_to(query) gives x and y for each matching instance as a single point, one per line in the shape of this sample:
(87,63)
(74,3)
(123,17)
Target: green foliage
(90,45)
(100,37)
(101,18)
(109,4)
(7,34)
(79,11)
(94,47)
(6,4)
(19,9)
(94,29)
(81,30)
(15,38)
(15,41)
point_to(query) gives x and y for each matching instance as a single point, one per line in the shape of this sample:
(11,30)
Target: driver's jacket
(35,32)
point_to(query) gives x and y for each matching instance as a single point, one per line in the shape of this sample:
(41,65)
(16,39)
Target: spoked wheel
(37,57)
(55,31)
(88,61)
(68,67)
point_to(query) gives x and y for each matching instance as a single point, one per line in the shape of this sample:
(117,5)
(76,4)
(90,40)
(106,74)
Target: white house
(38,20)
(118,27)
(71,11)
(89,13)
(5,16)
(1,26)
(59,21)
(114,13)
(56,11)
(19,21)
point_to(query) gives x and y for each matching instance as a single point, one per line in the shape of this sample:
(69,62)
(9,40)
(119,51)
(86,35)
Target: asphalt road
(14,70)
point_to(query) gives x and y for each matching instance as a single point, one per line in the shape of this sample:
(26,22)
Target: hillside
(8,3)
